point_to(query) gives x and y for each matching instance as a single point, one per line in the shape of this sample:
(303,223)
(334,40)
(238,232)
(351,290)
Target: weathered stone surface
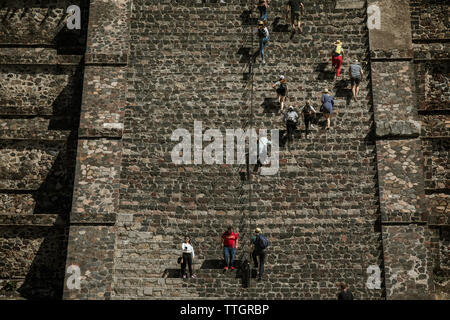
(91,249)
(108,35)
(433,85)
(400,178)
(436,154)
(438,209)
(96,190)
(408,263)
(393,40)
(36,256)
(429,19)
(40,22)
(436,126)
(103,102)
(393,94)
(398,128)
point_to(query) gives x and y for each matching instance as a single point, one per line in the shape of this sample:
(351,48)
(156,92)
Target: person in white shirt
(188,255)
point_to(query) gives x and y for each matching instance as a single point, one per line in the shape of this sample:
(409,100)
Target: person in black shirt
(295,6)
(308,114)
(345,294)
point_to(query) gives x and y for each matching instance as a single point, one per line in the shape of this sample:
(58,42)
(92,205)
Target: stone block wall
(96,188)
(40,95)
(429,19)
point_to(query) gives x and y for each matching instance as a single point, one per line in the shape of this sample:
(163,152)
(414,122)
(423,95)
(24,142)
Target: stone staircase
(191,61)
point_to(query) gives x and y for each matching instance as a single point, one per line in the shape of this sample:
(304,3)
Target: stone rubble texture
(86,177)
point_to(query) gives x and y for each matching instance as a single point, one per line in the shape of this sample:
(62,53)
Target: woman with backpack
(187,253)
(327,106)
(260,244)
(337,55)
(263,34)
(282,91)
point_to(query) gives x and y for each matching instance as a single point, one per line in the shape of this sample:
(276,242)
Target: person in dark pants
(291,119)
(188,255)
(308,114)
(345,294)
(258,251)
(262,7)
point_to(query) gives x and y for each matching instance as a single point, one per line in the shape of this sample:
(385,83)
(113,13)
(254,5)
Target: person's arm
(287,11)
(221,241)
(236,243)
(303,9)
(287,91)
(342,54)
(193,254)
(274,85)
(362,73)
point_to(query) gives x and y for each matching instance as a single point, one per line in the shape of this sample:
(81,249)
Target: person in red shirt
(229,243)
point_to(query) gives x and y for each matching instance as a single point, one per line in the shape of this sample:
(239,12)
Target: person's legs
(327,116)
(262,257)
(225,256)
(233,254)
(264,13)
(299,25)
(282,102)
(307,120)
(255,258)
(261,13)
(262,43)
(338,65)
(189,261)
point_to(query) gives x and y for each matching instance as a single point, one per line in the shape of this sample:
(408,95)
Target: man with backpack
(291,119)
(295,6)
(309,113)
(260,243)
(229,244)
(282,91)
(337,56)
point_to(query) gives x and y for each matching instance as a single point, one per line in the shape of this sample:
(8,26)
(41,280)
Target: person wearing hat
(295,6)
(337,57)
(262,7)
(263,34)
(282,91)
(327,106)
(260,244)
(356,76)
(308,112)
(291,119)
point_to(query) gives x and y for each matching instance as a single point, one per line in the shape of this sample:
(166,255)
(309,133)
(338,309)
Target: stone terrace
(192,61)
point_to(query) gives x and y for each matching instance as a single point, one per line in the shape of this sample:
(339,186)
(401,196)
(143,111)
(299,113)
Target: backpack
(291,117)
(338,49)
(262,242)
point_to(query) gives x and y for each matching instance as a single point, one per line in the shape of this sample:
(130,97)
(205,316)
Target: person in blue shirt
(327,106)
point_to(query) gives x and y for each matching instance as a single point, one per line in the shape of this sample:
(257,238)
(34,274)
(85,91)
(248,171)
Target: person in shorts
(296,8)
(356,76)
(282,91)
